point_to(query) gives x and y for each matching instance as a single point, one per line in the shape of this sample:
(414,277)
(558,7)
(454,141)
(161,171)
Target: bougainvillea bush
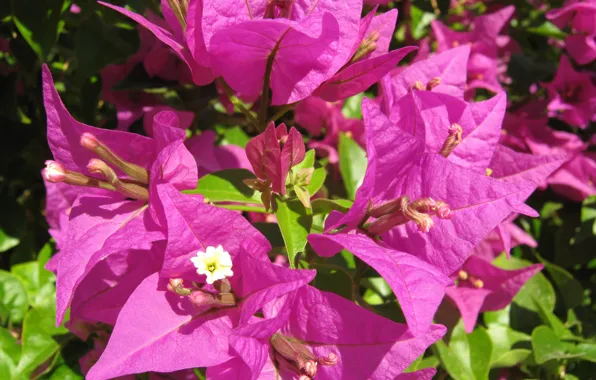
(298,189)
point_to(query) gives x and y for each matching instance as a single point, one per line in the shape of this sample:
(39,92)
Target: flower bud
(330,359)
(89,141)
(54,172)
(443,211)
(138,173)
(453,140)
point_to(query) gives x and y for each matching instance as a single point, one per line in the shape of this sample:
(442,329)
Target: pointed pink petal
(64,134)
(194,225)
(359,76)
(201,75)
(468,301)
(418,286)
(160,331)
(368,346)
(99,226)
(450,66)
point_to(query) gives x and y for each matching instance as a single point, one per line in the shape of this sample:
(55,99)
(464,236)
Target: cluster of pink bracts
(186,284)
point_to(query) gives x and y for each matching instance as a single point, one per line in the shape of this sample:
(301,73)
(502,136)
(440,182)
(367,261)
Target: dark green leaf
(325,206)
(570,289)
(38,281)
(547,346)
(420,22)
(352,107)
(227,186)
(548,29)
(538,290)
(10,353)
(40,23)
(294,224)
(235,136)
(352,164)
(41,338)
(13,298)
(480,349)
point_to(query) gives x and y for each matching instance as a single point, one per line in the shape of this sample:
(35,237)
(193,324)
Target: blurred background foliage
(547,332)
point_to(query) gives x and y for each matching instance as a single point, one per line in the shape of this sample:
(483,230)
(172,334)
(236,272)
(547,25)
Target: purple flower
(319,117)
(581,44)
(319,335)
(483,287)
(289,46)
(483,65)
(113,176)
(370,59)
(182,35)
(216,274)
(572,95)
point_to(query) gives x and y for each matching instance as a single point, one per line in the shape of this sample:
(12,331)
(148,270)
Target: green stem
(237,103)
(241,207)
(281,111)
(265,94)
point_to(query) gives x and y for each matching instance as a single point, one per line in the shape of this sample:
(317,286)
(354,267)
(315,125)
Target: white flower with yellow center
(215,263)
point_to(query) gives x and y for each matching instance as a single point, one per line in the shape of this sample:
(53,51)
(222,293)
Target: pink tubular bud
(54,172)
(138,173)
(309,368)
(200,298)
(426,204)
(424,223)
(89,141)
(453,140)
(129,190)
(443,211)
(330,359)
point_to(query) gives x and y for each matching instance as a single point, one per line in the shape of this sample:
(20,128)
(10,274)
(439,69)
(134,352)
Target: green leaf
(227,186)
(512,358)
(38,281)
(352,164)
(503,338)
(7,242)
(318,176)
(12,223)
(235,136)
(13,298)
(450,361)
(570,289)
(10,353)
(294,224)
(587,351)
(480,348)
(64,372)
(547,346)
(499,317)
(40,23)
(420,22)
(332,278)
(41,338)
(548,29)
(538,290)
(352,108)
(325,206)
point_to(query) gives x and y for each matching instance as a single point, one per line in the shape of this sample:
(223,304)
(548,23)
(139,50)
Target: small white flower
(215,263)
